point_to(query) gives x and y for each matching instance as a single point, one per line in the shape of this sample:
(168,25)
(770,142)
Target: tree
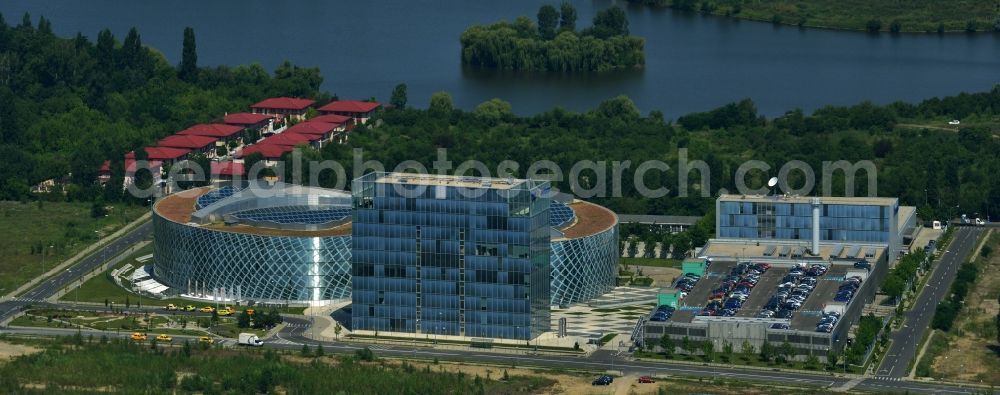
(893,286)
(243,320)
(786,352)
(727,350)
(688,345)
(186,349)
(766,351)
(398,99)
(708,350)
(567,20)
(610,22)
(668,345)
(319,350)
(305,350)
(337,328)
(873,25)
(494,111)
(812,362)
(548,21)
(748,350)
(618,107)
(831,360)
(188,70)
(441,104)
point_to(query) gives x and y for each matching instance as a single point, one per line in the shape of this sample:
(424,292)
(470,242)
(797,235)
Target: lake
(693,62)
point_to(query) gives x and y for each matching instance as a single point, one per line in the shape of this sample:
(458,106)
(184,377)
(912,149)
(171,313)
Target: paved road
(53,284)
(292,337)
(905,342)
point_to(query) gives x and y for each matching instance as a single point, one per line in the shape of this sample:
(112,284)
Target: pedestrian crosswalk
(24,300)
(281,341)
(887,378)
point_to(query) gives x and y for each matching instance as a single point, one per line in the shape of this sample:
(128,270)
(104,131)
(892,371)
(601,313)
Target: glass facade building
(585,267)
(447,255)
(861,220)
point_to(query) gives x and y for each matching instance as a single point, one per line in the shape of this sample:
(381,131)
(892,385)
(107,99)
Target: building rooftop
(284,103)
(164,153)
(182,208)
(658,219)
(350,106)
(589,219)
(290,139)
(881,201)
(787,250)
(190,141)
(245,118)
(312,127)
(449,180)
(330,118)
(227,168)
(269,151)
(211,129)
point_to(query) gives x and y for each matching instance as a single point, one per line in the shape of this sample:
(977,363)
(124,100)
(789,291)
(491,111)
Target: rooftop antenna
(771,183)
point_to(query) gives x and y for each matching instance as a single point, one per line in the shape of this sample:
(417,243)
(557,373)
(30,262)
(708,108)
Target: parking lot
(698,297)
(805,318)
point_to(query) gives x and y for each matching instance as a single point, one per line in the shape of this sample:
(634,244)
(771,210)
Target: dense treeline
(554,44)
(88,364)
(905,271)
(947,310)
(941,172)
(925,16)
(63,112)
(69,104)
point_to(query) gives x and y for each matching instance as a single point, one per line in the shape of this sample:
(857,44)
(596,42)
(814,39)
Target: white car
(954,122)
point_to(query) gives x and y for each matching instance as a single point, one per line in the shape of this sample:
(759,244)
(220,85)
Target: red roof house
(219,130)
(246,119)
(168,154)
(283,107)
(321,128)
(331,118)
(192,142)
(361,111)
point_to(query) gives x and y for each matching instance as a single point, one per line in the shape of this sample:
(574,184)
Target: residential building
(360,111)
(260,123)
(283,107)
(230,136)
(204,145)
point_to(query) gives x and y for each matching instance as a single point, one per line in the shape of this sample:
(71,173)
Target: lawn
(58,229)
(651,262)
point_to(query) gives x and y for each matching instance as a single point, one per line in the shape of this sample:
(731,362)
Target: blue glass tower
(459,256)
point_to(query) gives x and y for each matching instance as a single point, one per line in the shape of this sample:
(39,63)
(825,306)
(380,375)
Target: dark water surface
(693,63)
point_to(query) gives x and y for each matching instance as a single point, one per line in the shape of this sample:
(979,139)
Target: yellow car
(206,340)
(171,307)
(137,336)
(164,338)
(207,309)
(189,308)
(226,311)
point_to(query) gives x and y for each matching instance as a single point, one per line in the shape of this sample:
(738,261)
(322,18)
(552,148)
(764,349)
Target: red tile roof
(290,139)
(312,128)
(330,118)
(245,118)
(350,106)
(227,168)
(130,165)
(165,153)
(284,103)
(269,151)
(190,141)
(106,166)
(211,129)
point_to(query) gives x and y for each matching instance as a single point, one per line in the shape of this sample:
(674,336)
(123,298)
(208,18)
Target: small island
(554,44)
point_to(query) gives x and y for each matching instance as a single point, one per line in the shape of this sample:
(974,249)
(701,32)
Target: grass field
(651,262)
(58,229)
(970,352)
(922,16)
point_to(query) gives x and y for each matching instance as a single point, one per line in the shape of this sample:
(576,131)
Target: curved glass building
(276,243)
(284,243)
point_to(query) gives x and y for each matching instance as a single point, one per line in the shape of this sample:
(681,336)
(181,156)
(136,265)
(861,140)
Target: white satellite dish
(772,182)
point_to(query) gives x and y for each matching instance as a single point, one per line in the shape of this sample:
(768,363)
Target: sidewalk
(80,255)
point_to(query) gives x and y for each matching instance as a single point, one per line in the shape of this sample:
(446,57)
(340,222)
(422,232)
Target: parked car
(862,265)
(766,314)
(728,312)
(784,313)
(778,325)
(646,380)
(824,328)
(603,380)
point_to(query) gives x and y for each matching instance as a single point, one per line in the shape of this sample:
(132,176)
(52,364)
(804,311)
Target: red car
(646,379)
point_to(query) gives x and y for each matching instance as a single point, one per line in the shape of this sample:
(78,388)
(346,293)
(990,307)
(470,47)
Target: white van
(936,225)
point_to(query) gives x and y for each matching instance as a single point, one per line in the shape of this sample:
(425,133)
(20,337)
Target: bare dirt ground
(9,351)
(973,354)
(663,276)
